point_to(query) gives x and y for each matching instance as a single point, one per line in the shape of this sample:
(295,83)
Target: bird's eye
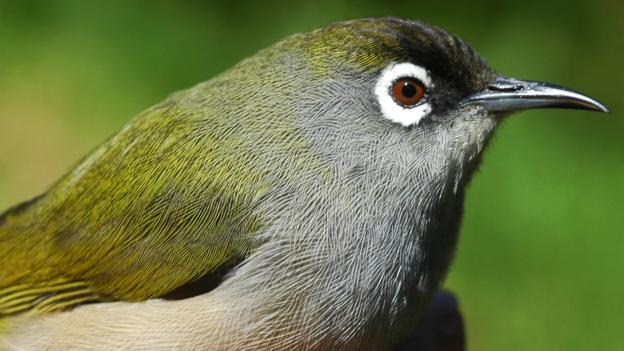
(401,92)
(407,91)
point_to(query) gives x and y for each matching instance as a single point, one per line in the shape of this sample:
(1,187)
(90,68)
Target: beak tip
(604,109)
(598,107)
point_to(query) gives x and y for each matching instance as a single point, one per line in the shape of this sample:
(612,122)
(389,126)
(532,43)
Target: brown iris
(407,91)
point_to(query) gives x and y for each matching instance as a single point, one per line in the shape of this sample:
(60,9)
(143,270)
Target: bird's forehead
(369,45)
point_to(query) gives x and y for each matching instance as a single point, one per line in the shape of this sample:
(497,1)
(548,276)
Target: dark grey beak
(508,94)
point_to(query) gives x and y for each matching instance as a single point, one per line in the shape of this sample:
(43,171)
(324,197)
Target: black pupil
(409,89)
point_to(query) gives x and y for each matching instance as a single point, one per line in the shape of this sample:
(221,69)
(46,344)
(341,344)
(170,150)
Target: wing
(165,202)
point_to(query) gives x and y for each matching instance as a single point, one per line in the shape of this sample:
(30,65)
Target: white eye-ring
(400,91)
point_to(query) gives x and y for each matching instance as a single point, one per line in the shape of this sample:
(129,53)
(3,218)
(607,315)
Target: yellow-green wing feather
(162,203)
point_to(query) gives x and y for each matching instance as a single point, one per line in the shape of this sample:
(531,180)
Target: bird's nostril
(505,87)
(502,84)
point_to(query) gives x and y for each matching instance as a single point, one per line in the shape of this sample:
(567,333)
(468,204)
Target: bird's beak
(508,94)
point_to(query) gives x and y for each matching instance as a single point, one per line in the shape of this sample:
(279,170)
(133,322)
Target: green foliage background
(540,262)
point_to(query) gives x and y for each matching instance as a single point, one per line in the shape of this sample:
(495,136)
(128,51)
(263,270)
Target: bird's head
(389,86)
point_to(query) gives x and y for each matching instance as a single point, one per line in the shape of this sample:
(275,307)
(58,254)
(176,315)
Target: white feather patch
(393,111)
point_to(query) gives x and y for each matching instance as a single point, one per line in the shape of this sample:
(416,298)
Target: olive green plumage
(150,210)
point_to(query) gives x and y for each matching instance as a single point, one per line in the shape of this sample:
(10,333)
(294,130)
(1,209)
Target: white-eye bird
(308,198)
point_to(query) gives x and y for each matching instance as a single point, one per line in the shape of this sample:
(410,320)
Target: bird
(307,198)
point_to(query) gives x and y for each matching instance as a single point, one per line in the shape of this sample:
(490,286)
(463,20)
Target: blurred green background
(541,258)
